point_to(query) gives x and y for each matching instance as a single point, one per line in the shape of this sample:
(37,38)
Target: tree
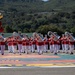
(26,30)
(45,28)
(8,29)
(73,30)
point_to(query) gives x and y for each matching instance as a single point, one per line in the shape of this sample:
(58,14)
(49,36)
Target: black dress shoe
(20,53)
(55,53)
(63,52)
(58,51)
(2,53)
(71,53)
(27,52)
(52,52)
(46,51)
(66,52)
(33,52)
(24,52)
(39,53)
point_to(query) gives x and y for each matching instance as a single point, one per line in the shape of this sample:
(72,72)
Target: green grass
(10,34)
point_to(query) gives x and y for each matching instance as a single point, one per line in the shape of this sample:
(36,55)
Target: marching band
(38,43)
(25,44)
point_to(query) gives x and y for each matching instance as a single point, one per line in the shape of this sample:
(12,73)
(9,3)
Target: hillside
(37,5)
(37,15)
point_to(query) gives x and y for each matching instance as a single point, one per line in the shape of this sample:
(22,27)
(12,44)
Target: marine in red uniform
(45,41)
(19,42)
(26,44)
(71,45)
(39,43)
(51,44)
(33,43)
(64,42)
(14,44)
(9,43)
(2,45)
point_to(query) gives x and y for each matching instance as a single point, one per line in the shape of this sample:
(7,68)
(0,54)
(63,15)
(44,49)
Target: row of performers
(28,45)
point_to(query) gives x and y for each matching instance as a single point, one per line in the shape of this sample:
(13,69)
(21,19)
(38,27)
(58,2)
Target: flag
(0,23)
(1,29)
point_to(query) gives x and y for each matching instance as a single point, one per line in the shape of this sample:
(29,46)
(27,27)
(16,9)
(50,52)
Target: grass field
(10,34)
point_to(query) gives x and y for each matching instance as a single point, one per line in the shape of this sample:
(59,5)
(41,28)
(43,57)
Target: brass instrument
(67,34)
(36,35)
(15,34)
(1,16)
(50,34)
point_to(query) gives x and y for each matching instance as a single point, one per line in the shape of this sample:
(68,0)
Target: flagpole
(1,28)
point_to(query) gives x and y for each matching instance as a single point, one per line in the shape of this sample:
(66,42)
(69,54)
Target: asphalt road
(38,71)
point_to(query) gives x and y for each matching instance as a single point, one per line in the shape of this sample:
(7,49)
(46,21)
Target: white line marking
(40,67)
(56,66)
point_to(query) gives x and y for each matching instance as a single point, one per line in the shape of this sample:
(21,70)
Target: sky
(45,0)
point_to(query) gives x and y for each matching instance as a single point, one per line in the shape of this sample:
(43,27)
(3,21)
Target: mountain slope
(37,5)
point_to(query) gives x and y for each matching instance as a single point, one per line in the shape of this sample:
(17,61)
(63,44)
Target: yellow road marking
(41,65)
(9,65)
(5,65)
(16,60)
(18,65)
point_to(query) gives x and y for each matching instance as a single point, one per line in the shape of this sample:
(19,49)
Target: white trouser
(51,48)
(45,47)
(27,49)
(66,47)
(55,48)
(58,47)
(14,47)
(23,48)
(39,49)
(10,49)
(30,47)
(19,48)
(33,47)
(63,48)
(2,49)
(42,48)
(71,48)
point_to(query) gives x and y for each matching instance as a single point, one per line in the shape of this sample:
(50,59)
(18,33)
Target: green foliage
(41,22)
(73,30)
(36,15)
(30,6)
(8,29)
(45,28)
